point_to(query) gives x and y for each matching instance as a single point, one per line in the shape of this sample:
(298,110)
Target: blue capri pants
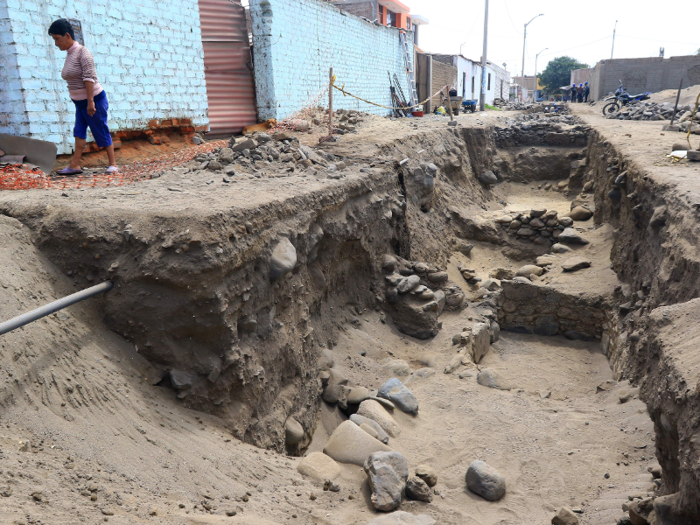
(97,123)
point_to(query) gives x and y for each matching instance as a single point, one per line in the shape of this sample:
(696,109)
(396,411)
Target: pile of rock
(642,110)
(418,293)
(260,151)
(517,106)
(543,226)
(348,120)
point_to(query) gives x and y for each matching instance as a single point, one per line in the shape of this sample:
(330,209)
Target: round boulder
(484,480)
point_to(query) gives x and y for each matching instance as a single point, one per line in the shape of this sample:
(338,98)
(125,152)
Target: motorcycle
(622,98)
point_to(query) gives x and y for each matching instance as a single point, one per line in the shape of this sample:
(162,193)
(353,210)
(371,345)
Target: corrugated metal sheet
(227,66)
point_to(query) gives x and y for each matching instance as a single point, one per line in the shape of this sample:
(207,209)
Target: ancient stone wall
(534,309)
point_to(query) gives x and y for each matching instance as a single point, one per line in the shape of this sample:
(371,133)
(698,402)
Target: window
(77,30)
(489,88)
(472,87)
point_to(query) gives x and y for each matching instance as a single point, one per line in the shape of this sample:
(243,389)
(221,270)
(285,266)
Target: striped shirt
(78,69)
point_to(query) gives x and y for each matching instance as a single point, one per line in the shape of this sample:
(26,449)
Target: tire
(610,107)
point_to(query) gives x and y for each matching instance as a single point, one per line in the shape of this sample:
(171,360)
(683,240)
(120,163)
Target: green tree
(558,73)
(698,51)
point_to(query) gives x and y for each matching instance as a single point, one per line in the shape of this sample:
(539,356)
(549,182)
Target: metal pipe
(50,308)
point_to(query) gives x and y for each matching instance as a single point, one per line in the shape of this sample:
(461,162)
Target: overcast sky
(580,29)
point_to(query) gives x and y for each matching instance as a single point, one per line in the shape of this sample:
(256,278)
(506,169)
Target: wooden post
(330,102)
(675,108)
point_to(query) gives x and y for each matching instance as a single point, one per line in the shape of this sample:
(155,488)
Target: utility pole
(534,92)
(482,104)
(613,45)
(522,73)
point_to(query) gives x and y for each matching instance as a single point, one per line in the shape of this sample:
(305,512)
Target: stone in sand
(427,474)
(529,269)
(370,430)
(283,259)
(495,331)
(362,420)
(319,466)
(481,336)
(484,480)
(388,472)
(579,213)
(294,432)
(571,236)
(490,378)
(488,178)
(373,410)
(418,490)
(402,518)
(575,264)
(396,392)
(357,395)
(560,248)
(565,516)
(350,444)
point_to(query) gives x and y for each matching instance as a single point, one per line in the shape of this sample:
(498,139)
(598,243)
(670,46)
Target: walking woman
(89,97)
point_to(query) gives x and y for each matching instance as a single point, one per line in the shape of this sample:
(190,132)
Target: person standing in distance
(586,91)
(90,99)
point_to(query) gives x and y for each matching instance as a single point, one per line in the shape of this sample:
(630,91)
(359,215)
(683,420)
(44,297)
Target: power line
(509,17)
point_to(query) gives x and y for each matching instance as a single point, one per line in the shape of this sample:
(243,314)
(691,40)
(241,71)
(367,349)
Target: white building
(469,78)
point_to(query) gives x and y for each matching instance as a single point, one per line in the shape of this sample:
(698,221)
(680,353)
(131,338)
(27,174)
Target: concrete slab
(38,152)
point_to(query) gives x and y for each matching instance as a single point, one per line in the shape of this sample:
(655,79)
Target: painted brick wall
(295,44)
(12,106)
(149,59)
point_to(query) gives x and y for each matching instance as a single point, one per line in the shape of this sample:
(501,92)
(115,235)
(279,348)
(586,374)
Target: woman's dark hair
(61,27)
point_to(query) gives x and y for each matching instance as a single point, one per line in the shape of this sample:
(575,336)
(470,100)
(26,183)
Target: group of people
(580,93)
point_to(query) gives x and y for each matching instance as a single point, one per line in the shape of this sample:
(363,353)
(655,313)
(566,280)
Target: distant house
(466,78)
(390,13)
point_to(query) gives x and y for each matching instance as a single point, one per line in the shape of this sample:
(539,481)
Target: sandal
(111,169)
(69,171)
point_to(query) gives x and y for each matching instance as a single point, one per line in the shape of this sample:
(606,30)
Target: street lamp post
(534,91)
(522,74)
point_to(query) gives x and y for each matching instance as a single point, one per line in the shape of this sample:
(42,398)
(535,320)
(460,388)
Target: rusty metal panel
(227,66)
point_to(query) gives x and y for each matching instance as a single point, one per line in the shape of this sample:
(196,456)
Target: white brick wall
(295,44)
(148,57)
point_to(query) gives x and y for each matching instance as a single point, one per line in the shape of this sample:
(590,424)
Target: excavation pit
(239,343)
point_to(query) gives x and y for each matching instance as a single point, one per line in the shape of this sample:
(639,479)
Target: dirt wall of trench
(650,339)
(197,293)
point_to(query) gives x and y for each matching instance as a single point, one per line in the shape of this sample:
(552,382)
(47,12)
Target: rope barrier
(348,94)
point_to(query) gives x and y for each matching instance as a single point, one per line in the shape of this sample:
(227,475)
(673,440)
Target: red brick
(185,121)
(187,129)
(117,144)
(202,128)
(154,124)
(155,140)
(176,122)
(166,123)
(149,132)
